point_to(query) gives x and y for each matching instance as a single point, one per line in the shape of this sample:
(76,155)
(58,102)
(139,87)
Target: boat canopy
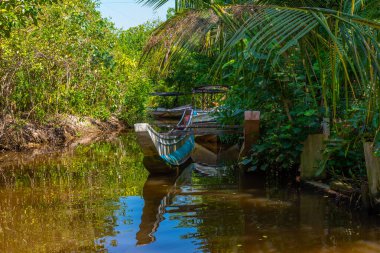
(205,98)
(168,94)
(211,89)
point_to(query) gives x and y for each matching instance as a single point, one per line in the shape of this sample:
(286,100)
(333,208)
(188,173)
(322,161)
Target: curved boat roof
(211,89)
(167,94)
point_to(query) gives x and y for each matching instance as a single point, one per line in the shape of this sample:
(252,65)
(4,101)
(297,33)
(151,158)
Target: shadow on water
(99,198)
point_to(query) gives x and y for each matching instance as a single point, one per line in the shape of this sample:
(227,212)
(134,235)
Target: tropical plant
(338,47)
(330,47)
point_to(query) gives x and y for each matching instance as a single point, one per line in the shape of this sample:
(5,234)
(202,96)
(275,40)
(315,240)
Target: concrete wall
(311,155)
(373,174)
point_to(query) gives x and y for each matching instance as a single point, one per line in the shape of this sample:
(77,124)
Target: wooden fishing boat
(204,117)
(173,148)
(175,112)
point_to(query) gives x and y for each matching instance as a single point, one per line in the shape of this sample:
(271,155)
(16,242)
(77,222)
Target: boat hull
(167,114)
(163,154)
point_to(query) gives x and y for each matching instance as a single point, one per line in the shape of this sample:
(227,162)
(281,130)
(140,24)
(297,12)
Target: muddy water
(99,198)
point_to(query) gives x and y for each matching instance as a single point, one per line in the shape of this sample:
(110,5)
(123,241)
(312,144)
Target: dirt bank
(59,132)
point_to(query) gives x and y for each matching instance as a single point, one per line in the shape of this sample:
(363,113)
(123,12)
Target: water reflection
(64,202)
(199,212)
(156,193)
(99,198)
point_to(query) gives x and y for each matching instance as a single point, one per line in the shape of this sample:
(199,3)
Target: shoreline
(59,132)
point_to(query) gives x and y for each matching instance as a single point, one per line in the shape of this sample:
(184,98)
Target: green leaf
(309,113)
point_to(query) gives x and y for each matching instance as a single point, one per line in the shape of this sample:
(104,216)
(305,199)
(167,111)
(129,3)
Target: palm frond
(264,34)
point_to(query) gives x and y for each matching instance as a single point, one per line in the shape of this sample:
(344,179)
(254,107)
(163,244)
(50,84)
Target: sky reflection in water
(100,199)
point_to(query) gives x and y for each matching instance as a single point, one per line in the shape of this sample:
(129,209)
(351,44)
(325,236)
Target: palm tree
(337,42)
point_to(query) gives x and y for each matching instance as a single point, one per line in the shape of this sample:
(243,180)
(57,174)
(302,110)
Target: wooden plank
(194,126)
(204,132)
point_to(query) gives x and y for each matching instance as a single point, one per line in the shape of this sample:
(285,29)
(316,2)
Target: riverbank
(100,198)
(58,132)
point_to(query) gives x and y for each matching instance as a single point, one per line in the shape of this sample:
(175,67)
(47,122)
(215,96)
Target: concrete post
(311,155)
(251,131)
(373,173)
(326,126)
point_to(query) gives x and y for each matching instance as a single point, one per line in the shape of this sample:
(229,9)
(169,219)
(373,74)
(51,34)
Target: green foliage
(133,40)
(281,143)
(16,13)
(288,115)
(337,43)
(183,76)
(343,155)
(295,61)
(73,62)
(135,98)
(289,111)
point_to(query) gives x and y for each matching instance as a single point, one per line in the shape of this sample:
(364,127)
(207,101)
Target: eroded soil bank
(59,132)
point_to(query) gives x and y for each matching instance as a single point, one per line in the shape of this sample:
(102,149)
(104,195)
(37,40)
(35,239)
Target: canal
(100,198)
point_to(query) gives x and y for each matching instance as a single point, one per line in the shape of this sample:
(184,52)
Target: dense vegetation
(301,63)
(63,57)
